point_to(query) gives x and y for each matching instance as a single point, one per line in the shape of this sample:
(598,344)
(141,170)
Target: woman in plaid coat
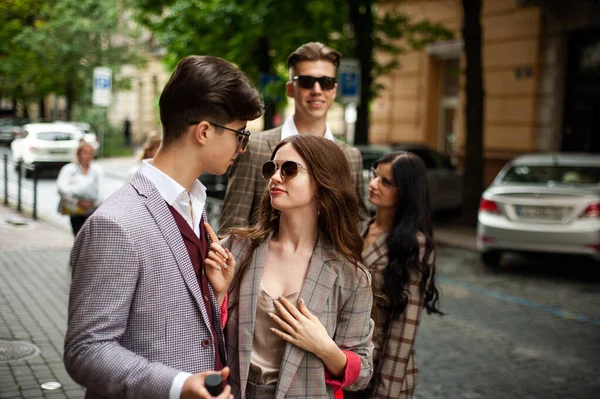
(300,303)
(398,251)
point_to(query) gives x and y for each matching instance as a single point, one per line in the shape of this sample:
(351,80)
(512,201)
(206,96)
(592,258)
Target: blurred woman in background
(398,251)
(79,186)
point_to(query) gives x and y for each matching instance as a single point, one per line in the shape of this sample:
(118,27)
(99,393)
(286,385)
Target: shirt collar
(289,129)
(168,188)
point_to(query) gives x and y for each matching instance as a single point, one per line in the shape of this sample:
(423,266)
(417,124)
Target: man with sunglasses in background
(148,295)
(312,85)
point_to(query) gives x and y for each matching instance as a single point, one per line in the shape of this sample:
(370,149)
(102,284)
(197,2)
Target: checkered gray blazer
(246,185)
(334,290)
(136,312)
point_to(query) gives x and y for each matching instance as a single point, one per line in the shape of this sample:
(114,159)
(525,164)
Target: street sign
(102,86)
(265,83)
(349,81)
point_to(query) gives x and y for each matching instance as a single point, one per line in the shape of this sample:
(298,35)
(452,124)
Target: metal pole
(19,185)
(5,179)
(35,185)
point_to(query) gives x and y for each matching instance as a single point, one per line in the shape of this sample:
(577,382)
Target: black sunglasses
(307,82)
(243,136)
(384,181)
(289,169)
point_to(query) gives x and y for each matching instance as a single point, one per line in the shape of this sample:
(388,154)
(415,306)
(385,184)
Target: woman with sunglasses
(399,252)
(300,292)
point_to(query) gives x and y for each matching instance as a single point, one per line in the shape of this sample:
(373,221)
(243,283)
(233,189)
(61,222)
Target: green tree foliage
(53,46)
(258,35)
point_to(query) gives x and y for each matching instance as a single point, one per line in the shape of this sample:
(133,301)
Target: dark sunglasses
(384,181)
(289,169)
(307,82)
(243,136)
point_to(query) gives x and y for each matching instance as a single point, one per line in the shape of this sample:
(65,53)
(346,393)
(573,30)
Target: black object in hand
(214,384)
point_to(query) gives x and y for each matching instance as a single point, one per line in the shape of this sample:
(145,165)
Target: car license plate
(58,151)
(541,212)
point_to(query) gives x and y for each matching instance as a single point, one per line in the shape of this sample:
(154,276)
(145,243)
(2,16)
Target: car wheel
(491,259)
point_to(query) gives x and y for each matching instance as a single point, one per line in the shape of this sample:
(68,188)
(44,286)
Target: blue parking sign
(349,83)
(102,92)
(102,82)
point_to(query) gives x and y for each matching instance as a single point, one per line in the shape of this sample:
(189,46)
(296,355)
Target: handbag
(69,207)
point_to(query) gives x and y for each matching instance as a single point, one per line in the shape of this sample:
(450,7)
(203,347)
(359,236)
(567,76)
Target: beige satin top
(267,348)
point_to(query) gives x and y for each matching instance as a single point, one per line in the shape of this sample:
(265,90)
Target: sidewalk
(34,285)
(455,236)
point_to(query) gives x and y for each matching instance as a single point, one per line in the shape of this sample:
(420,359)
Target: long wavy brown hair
(337,204)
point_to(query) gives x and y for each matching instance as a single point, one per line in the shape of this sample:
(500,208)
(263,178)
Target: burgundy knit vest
(198,251)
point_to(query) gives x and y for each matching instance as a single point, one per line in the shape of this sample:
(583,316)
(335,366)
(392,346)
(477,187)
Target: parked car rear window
(553,174)
(55,136)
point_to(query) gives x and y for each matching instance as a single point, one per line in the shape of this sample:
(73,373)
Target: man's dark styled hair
(206,88)
(313,51)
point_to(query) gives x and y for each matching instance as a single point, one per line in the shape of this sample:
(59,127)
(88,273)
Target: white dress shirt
(289,129)
(190,206)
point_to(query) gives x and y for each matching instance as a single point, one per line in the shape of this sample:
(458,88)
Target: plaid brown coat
(394,347)
(246,185)
(334,290)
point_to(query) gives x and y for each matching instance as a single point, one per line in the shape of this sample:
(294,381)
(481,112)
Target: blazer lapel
(247,300)
(168,227)
(315,291)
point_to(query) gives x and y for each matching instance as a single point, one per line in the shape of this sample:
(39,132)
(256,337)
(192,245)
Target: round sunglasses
(289,169)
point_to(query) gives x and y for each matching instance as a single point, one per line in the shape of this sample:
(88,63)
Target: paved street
(530,330)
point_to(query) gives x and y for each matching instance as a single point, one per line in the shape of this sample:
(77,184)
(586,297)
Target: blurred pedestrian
(148,151)
(146,308)
(79,186)
(300,302)
(312,85)
(399,253)
(127,131)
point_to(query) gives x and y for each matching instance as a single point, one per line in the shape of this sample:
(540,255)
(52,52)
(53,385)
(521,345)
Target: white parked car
(87,131)
(46,145)
(542,203)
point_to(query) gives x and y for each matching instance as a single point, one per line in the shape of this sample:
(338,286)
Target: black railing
(15,186)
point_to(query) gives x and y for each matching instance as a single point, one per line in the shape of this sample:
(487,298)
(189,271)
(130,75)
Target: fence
(14,182)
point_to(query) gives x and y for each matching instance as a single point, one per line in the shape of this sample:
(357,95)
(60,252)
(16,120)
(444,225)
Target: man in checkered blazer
(313,87)
(148,301)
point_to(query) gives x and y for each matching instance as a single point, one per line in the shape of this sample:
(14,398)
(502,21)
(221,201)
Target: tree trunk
(361,18)
(473,162)
(42,108)
(70,94)
(265,66)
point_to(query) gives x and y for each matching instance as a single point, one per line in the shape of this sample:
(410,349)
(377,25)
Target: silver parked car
(542,203)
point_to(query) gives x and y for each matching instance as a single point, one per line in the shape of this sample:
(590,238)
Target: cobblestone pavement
(529,330)
(34,279)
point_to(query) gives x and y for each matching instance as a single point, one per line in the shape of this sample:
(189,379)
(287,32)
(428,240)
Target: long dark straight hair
(337,205)
(413,216)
